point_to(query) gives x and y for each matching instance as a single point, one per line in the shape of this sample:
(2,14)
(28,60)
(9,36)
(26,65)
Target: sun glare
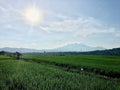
(33,15)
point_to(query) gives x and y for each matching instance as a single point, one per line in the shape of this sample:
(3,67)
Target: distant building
(18,55)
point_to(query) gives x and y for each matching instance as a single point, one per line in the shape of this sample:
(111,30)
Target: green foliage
(22,75)
(104,65)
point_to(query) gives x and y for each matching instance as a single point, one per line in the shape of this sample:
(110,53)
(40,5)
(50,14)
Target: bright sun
(33,15)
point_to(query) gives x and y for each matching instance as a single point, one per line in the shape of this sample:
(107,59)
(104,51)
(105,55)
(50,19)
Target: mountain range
(67,48)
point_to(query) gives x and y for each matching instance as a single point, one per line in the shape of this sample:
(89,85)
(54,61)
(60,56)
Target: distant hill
(66,51)
(75,48)
(114,51)
(67,48)
(22,50)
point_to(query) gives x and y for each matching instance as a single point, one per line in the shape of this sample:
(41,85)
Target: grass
(104,65)
(22,75)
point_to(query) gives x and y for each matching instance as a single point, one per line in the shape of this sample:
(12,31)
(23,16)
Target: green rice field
(106,65)
(41,72)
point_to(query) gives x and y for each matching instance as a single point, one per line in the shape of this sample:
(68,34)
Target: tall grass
(104,65)
(21,75)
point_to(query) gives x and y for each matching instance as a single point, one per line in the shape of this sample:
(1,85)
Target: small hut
(18,55)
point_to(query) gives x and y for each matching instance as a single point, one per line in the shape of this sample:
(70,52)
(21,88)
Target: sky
(90,22)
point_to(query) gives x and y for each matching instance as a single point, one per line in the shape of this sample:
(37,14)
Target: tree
(2,52)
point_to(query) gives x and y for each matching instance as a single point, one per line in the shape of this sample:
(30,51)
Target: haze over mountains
(77,47)
(67,48)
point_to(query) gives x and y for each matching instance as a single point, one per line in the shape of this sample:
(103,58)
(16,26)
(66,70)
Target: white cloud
(3,9)
(8,26)
(117,34)
(90,31)
(78,26)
